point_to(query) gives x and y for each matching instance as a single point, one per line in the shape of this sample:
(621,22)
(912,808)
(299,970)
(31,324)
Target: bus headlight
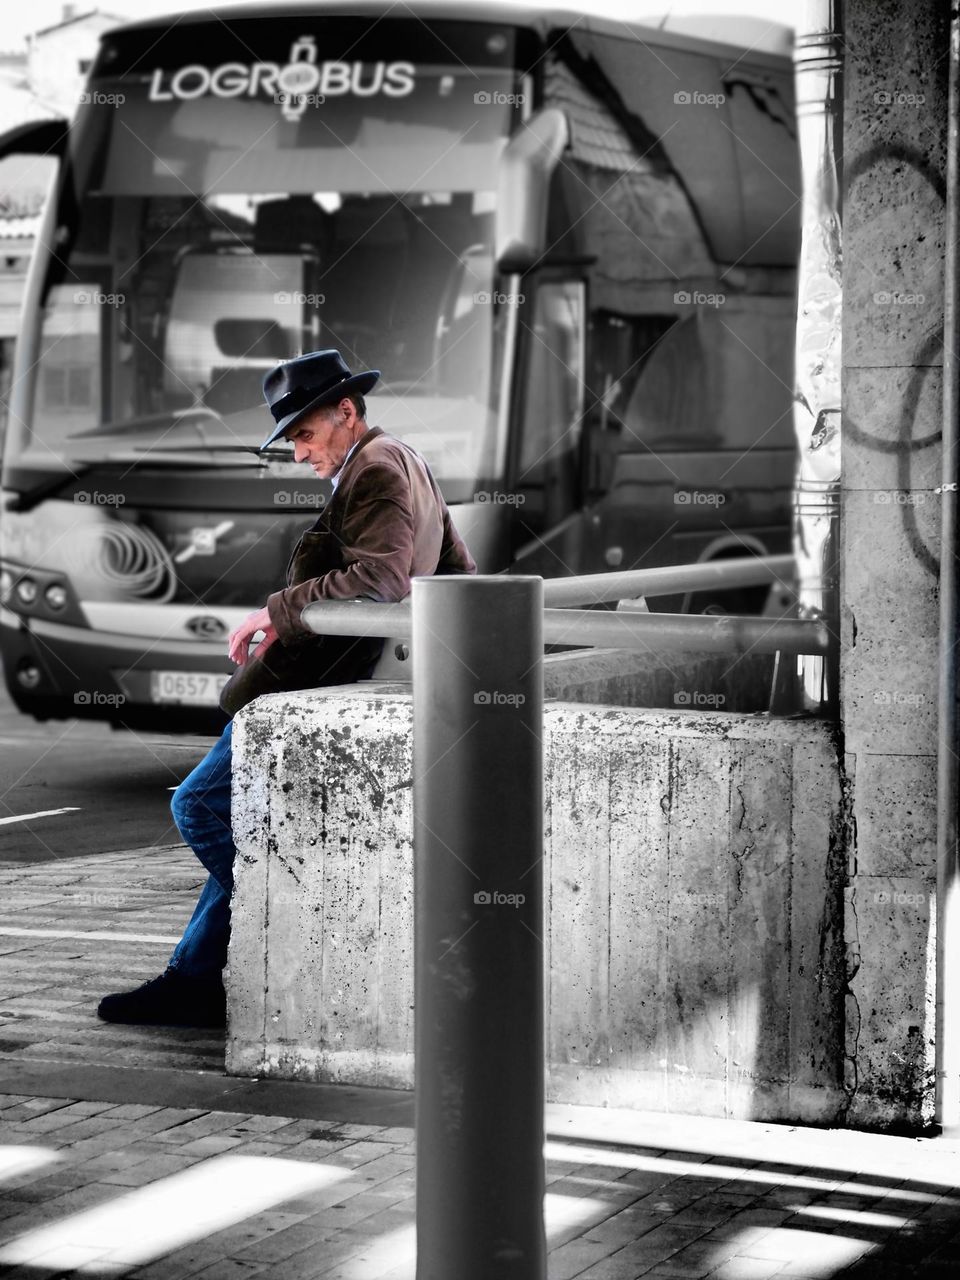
(56,595)
(35,593)
(26,591)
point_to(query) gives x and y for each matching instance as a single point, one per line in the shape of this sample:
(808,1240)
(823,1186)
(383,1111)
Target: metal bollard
(478,845)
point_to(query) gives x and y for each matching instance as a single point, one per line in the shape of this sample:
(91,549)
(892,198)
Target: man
(385,524)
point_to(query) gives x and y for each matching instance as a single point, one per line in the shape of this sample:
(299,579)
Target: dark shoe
(170,1000)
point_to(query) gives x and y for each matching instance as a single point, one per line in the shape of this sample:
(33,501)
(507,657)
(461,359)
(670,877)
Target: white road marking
(44,813)
(8,931)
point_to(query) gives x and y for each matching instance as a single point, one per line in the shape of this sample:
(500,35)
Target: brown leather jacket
(385,524)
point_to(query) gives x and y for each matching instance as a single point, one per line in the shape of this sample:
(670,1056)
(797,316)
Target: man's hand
(241,636)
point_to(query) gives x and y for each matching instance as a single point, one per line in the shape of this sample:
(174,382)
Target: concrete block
(895,88)
(326,963)
(631,678)
(692,920)
(891,434)
(816,928)
(889,695)
(891,553)
(892,925)
(889,624)
(896,808)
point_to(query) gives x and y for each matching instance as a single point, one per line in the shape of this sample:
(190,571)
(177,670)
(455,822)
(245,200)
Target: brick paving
(75,928)
(127,1152)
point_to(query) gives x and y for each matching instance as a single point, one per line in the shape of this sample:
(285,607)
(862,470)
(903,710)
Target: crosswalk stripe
(97,934)
(44,813)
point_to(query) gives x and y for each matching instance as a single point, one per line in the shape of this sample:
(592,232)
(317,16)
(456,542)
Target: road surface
(70,787)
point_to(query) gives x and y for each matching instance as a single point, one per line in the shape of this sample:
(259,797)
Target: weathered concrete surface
(893,241)
(630,678)
(694,891)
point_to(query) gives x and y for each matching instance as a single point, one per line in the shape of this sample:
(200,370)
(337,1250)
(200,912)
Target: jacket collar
(370,434)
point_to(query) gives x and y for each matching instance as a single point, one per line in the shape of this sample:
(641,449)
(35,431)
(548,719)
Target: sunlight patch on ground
(820,1254)
(17,1160)
(147,1223)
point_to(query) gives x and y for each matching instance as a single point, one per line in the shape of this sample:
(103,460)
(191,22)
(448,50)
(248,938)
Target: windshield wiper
(155,438)
(31,498)
(183,427)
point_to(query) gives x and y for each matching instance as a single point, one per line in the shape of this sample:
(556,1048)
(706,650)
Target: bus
(570,245)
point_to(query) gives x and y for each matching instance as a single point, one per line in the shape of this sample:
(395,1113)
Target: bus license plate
(187,688)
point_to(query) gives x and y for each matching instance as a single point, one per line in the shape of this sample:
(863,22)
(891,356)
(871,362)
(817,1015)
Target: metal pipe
(947,1099)
(818,63)
(685,633)
(478,911)
(678,632)
(359,618)
(594,588)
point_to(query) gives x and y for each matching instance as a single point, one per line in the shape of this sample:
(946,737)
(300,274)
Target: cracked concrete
(693,905)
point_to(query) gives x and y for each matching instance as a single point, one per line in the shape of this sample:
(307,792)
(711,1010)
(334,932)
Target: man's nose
(299,451)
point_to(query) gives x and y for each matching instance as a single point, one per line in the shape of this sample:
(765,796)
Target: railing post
(478,842)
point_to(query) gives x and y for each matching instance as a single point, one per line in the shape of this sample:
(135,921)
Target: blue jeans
(201,810)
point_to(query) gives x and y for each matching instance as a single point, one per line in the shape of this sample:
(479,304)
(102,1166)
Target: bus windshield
(219,216)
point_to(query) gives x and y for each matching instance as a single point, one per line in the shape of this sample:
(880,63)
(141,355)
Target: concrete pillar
(895,129)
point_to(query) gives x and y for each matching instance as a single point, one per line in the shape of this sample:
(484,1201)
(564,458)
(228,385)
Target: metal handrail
(677,632)
(667,580)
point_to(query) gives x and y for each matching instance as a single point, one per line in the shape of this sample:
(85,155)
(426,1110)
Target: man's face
(324,438)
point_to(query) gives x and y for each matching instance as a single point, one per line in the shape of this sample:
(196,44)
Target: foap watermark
(698,498)
(97,899)
(94,698)
(300,299)
(483,299)
(897,298)
(898,898)
(94,298)
(697,298)
(898,98)
(494,698)
(95,98)
(899,498)
(86,498)
(706,898)
(898,698)
(497,98)
(498,499)
(300,100)
(298,498)
(696,698)
(494,898)
(694,98)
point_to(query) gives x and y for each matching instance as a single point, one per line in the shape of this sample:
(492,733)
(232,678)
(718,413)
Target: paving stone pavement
(128,1152)
(73,929)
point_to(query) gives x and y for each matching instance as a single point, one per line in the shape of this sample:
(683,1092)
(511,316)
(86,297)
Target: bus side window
(547,467)
(620,347)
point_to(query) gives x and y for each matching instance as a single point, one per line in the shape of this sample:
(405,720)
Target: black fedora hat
(298,386)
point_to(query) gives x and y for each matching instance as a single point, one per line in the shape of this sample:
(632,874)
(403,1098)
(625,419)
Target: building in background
(59,56)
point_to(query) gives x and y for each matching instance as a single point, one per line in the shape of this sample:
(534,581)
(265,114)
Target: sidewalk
(127,1152)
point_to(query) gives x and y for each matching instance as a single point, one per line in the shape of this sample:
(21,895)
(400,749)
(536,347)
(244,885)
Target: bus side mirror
(526,167)
(39,138)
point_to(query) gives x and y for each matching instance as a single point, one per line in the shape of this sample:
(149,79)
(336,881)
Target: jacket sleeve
(454,556)
(376,538)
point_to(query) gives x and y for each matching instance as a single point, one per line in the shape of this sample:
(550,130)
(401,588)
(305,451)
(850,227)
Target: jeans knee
(189,812)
